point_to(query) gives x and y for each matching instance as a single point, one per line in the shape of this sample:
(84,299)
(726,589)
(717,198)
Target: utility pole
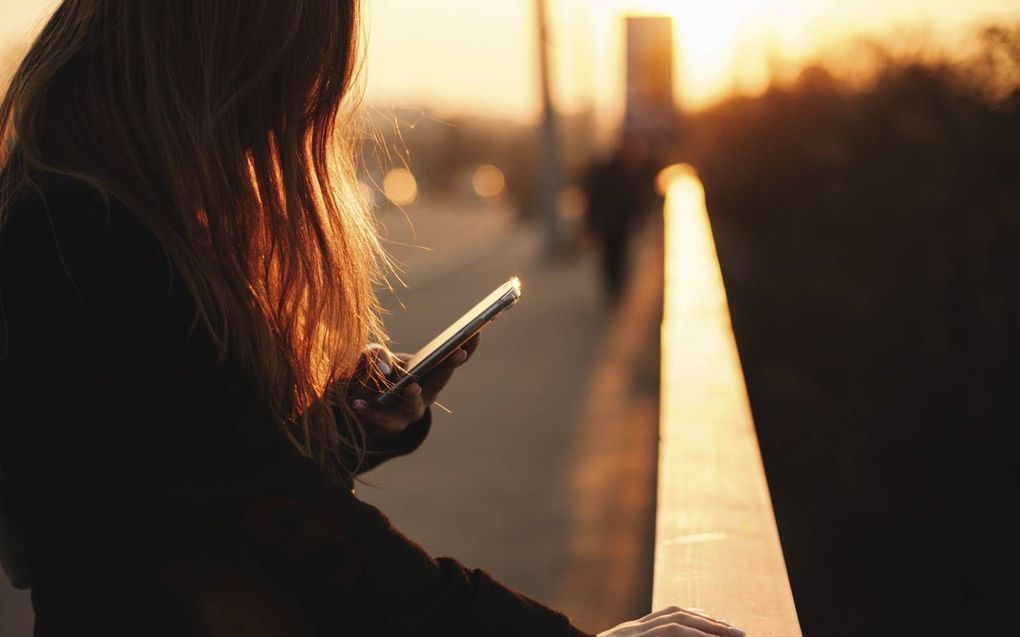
(549,161)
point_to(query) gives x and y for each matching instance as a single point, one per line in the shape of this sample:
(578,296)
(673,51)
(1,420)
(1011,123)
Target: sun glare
(465,56)
(726,45)
(737,46)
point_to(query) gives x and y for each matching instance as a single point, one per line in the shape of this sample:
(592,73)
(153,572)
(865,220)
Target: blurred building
(651,113)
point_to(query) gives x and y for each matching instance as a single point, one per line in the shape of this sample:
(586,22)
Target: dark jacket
(160,495)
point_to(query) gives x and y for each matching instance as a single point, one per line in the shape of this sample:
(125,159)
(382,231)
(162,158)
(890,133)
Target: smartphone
(438,349)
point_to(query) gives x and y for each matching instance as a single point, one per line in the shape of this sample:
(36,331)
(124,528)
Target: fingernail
(737,632)
(414,390)
(385,369)
(360,405)
(459,356)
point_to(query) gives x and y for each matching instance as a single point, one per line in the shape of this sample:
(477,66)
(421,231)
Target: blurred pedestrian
(619,191)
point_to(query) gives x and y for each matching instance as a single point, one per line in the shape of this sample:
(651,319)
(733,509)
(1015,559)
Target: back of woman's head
(215,121)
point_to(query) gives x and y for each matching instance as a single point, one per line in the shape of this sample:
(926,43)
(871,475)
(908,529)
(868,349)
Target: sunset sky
(458,56)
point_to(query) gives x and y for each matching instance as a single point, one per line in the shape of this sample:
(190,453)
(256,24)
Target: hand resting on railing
(672,621)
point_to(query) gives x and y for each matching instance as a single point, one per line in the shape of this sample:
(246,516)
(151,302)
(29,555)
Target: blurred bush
(869,234)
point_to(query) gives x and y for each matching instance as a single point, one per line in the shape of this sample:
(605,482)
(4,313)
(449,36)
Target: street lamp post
(549,165)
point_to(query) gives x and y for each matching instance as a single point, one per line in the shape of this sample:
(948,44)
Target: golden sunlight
(727,45)
(736,46)
(464,56)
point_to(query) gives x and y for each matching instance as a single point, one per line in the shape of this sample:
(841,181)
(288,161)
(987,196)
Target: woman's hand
(416,397)
(673,621)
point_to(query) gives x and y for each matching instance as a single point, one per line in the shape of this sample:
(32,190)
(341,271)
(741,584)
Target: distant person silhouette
(619,191)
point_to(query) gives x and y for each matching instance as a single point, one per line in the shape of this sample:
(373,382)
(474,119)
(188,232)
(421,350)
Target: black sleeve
(380,448)
(414,594)
(117,423)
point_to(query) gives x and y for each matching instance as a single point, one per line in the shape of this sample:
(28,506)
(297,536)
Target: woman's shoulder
(47,206)
(66,222)
(71,256)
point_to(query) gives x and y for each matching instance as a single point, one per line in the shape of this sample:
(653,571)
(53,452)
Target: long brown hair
(217,123)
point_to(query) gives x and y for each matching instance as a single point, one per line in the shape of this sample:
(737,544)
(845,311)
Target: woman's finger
(674,620)
(673,630)
(670,610)
(401,359)
(471,345)
(394,418)
(703,624)
(376,361)
(662,611)
(674,608)
(380,420)
(411,406)
(437,379)
(386,361)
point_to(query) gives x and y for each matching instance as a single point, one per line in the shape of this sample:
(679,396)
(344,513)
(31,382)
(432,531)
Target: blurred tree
(870,242)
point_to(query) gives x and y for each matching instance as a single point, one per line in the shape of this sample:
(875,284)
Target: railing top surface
(717,548)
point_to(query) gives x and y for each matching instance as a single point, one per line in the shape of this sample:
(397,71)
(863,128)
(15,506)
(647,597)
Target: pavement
(543,471)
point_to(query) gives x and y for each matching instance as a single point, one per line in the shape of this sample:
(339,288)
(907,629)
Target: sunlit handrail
(716,547)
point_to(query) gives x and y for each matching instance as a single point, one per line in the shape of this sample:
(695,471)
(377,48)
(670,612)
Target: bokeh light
(488,180)
(400,186)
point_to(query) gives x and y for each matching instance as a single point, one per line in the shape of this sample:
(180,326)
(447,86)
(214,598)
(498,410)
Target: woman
(186,280)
